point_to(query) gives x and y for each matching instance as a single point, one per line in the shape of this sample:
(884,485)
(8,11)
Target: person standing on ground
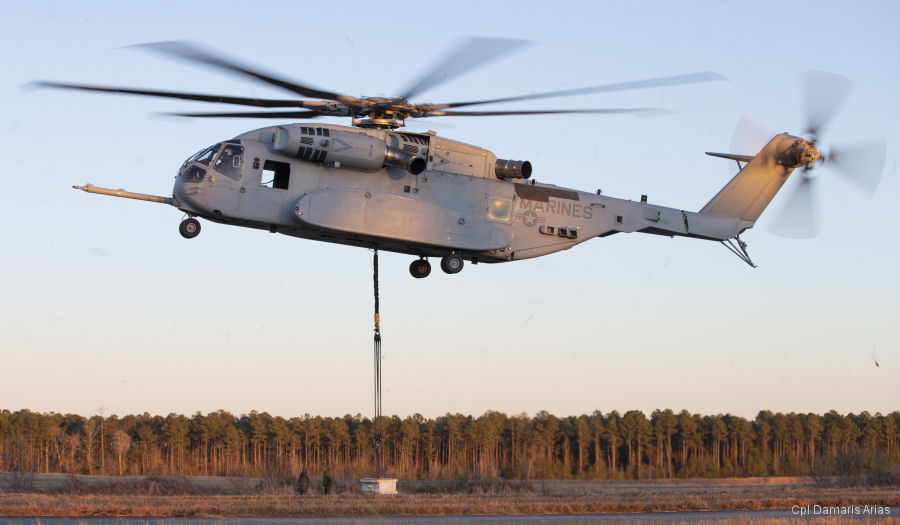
(303,482)
(327,482)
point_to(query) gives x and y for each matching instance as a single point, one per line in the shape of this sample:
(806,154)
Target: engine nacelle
(512,169)
(401,159)
(343,149)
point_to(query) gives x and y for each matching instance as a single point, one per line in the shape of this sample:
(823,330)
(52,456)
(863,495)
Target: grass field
(58,495)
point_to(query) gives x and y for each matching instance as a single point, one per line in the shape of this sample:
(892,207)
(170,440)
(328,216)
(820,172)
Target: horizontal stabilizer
(731,156)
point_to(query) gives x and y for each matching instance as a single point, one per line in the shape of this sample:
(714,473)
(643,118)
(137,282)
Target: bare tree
(120,441)
(90,436)
(102,447)
(72,443)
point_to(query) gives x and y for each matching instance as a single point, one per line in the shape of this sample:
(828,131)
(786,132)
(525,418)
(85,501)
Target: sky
(106,308)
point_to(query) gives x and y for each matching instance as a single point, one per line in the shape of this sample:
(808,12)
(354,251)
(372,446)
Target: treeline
(596,446)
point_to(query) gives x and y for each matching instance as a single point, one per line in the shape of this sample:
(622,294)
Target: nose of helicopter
(188,181)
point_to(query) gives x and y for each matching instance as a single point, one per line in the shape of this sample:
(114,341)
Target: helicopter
(375,185)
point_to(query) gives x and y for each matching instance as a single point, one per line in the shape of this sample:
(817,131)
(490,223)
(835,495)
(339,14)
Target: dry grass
(180,496)
(830,520)
(743,520)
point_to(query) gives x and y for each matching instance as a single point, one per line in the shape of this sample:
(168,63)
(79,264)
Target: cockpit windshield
(194,173)
(206,156)
(225,157)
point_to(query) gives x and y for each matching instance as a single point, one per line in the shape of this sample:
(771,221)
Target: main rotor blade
(188,52)
(252,114)
(862,164)
(471,53)
(633,111)
(798,218)
(241,101)
(824,93)
(692,78)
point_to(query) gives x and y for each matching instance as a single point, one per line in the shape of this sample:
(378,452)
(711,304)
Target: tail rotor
(860,163)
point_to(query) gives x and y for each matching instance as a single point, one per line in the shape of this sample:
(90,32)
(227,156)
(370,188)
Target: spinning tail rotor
(859,163)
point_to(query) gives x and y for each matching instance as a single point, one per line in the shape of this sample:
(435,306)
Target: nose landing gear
(189,228)
(420,268)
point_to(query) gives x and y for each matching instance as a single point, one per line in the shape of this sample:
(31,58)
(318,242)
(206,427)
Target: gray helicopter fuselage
(421,194)
(346,185)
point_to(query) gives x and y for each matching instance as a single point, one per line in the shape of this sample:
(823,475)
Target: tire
(452,263)
(420,268)
(189,228)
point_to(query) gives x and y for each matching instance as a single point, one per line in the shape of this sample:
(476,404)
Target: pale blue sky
(105,305)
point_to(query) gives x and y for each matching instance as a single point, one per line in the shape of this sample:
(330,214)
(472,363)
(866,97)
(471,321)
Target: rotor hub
(799,153)
(383,122)
(810,154)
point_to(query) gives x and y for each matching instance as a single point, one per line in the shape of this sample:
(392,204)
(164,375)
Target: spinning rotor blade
(862,164)
(692,78)
(750,135)
(633,111)
(824,93)
(189,52)
(241,101)
(471,53)
(253,114)
(798,218)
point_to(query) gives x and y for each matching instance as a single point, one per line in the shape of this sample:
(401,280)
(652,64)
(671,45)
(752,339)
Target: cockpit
(224,157)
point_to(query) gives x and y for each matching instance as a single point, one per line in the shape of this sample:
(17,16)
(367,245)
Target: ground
(61,495)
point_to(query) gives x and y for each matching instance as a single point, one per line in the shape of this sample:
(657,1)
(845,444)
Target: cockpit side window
(229,161)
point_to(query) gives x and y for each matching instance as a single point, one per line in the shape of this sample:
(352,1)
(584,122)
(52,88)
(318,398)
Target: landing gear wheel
(451,263)
(420,268)
(189,228)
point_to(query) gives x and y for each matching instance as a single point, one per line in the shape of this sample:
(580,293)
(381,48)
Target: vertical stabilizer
(753,188)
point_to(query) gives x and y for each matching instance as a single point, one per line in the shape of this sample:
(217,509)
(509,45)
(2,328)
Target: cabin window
(229,161)
(276,175)
(499,209)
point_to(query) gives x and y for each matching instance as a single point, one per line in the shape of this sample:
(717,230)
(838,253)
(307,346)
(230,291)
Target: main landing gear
(450,263)
(420,268)
(189,228)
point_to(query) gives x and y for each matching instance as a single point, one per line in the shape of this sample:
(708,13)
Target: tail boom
(736,207)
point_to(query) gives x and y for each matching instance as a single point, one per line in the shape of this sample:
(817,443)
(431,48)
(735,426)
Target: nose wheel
(189,228)
(451,263)
(420,268)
